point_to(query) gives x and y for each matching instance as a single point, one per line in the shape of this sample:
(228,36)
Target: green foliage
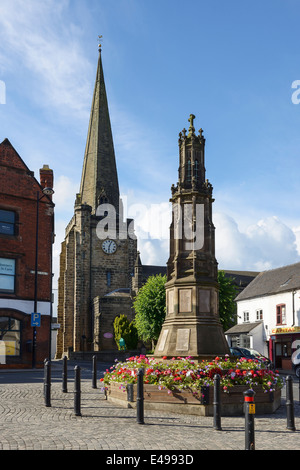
(227,305)
(126,330)
(150,308)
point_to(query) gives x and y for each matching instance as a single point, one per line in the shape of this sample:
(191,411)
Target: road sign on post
(35,319)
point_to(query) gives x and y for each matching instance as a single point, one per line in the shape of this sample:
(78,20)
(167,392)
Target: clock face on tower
(109,246)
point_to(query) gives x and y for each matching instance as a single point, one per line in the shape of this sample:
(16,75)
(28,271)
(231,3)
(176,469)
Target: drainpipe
(293,303)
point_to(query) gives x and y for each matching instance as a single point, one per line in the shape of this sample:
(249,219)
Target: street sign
(35,319)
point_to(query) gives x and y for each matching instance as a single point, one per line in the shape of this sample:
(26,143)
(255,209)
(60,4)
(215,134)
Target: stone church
(99,252)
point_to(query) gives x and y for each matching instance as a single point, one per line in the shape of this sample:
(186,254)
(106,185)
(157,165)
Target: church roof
(99,181)
(123,292)
(149,270)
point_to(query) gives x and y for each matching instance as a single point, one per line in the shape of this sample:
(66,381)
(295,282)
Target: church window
(108,278)
(189,172)
(103,200)
(7,222)
(196,169)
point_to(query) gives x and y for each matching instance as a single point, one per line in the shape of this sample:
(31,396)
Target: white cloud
(267,244)
(154,252)
(296,231)
(65,192)
(35,34)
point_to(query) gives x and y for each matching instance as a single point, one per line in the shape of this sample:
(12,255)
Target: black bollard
(65,376)
(249,410)
(140,397)
(94,379)
(217,403)
(45,375)
(290,404)
(47,384)
(77,392)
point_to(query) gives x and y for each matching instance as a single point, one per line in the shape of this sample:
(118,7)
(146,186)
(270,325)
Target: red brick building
(23,200)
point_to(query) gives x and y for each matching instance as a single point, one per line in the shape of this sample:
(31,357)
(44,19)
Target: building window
(259,315)
(281,314)
(10,335)
(7,275)
(7,222)
(246,316)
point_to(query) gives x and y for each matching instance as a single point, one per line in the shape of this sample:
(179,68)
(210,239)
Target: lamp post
(48,192)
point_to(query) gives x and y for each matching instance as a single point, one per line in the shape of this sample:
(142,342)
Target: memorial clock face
(109,246)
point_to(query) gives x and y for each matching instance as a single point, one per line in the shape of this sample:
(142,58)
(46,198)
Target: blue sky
(232,64)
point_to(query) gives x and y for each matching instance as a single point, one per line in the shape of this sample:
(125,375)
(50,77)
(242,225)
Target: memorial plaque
(163,340)
(215,303)
(171,301)
(185,300)
(204,301)
(183,339)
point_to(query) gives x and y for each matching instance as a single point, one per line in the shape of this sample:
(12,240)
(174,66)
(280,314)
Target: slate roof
(149,270)
(118,292)
(242,328)
(273,281)
(241,278)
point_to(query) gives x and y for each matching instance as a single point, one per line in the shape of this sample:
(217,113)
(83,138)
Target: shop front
(283,343)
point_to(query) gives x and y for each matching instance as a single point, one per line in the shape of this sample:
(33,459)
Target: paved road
(27,424)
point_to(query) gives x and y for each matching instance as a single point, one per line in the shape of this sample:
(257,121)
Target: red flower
(214,371)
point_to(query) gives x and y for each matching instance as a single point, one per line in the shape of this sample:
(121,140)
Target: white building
(268,311)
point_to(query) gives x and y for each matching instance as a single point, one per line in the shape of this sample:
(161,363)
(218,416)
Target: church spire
(99,181)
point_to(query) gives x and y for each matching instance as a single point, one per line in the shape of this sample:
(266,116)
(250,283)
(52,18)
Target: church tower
(192,326)
(99,251)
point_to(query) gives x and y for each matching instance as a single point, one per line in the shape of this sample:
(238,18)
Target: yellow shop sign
(289,329)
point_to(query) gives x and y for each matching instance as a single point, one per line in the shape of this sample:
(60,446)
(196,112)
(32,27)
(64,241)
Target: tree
(150,308)
(227,305)
(126,330)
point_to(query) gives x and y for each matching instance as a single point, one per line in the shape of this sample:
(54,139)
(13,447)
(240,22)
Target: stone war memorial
(192,349)
(192,326)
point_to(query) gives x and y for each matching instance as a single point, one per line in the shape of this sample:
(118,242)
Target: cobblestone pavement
(27,424)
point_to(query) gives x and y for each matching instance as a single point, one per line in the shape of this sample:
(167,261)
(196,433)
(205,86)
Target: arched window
(189,172)
(196,169)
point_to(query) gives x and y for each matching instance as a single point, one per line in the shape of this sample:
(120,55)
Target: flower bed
(188,382)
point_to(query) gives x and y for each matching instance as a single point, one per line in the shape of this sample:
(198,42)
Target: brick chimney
(46,177)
